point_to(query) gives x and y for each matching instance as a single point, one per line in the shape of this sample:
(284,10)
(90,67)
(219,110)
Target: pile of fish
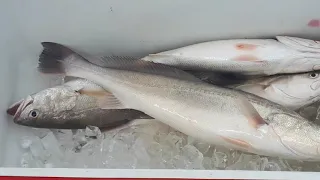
(240,94)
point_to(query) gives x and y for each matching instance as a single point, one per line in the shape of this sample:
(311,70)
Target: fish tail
(59,59)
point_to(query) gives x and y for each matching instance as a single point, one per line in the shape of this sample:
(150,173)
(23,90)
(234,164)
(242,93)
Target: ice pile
(141,144)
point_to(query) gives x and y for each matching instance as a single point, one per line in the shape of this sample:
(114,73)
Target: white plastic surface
(124,27)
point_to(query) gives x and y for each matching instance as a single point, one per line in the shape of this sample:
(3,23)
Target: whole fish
(72,105)
(249,56)
(213,114)
(290,90)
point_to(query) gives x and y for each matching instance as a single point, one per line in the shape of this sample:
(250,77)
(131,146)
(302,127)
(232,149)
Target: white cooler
(136,27)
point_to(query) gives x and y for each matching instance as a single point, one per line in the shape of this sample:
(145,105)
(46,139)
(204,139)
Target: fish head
(299,136)
(44,109)
(301,87)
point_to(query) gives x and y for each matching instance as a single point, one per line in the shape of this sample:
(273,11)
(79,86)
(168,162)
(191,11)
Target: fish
(293,91)
(213,114)
(76,104)
(284,54)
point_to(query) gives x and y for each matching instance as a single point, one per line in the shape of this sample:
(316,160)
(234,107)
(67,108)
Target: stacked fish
(241,94)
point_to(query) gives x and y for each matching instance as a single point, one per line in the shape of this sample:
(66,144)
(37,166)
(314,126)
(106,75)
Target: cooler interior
(134,28)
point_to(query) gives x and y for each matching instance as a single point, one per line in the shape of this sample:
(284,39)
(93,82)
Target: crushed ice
(141,144)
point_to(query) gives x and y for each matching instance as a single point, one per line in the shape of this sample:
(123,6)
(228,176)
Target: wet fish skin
(216,115)
(248,56)
(293,91)
(64,107)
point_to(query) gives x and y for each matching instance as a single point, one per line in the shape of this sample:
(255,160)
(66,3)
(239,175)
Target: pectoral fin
(253,116)
(300,44)
(105,99)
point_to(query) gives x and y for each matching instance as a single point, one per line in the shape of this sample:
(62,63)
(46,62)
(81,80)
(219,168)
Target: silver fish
(72,105)
(250,56)
(213,114)
(293,91)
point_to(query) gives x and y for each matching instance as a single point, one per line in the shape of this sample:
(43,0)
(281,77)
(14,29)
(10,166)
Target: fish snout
(17,108)
(14,109)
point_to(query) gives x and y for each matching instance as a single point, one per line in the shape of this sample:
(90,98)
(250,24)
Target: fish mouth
(17,108)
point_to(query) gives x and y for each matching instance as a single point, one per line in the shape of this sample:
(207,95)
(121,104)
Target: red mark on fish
(247,58)
(246,47)
(314,23)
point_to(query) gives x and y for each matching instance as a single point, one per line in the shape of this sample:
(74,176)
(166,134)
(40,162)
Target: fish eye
(313,75)
(34,113)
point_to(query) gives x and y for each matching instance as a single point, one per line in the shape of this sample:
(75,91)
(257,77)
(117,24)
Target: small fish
(249,56)
(72,105)
(293,91)
(213,114)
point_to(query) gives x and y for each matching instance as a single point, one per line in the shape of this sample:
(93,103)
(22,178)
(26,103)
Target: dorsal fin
(133,64)
(59,51)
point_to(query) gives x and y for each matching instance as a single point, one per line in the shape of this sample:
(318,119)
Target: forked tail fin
(57,58)
(52,56)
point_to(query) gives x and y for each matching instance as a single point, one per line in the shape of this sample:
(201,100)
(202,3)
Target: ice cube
(127,136)
(79,140)
(63,135)
(26,142)
(119,156)
(40,132)
(26,160)
(160,136)
(175,141)
(154,149)
(219,160)
(207,163)
(290,165)
(65,138)
(51,144)
(178,162)
(92,132)
(193,157)
(190,140)
(246,162)
(191,152)
(139,149)
(202,146)
(271,166)
(227,156)
(37,148)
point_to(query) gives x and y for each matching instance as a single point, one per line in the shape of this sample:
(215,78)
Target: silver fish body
(248,56)
(210,113)
(73,105)
(293,91)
